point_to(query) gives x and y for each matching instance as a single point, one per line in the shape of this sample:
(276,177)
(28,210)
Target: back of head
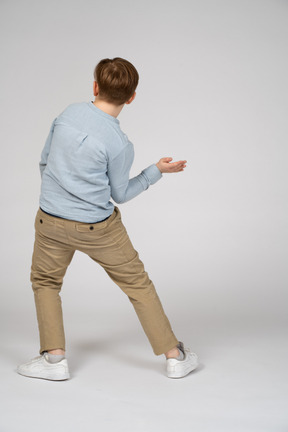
(117,80)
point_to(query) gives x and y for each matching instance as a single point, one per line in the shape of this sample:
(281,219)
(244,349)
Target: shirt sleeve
(124,189)
(46,149)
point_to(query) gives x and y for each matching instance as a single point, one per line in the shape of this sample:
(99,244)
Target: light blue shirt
(85,162)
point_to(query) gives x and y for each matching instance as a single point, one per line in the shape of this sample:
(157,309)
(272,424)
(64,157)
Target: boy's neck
(108,108)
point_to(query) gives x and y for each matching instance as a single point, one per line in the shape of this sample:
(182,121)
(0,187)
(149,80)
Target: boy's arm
(124,189)
(46,149)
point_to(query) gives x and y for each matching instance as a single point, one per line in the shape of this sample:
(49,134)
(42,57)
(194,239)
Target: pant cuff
(168,346)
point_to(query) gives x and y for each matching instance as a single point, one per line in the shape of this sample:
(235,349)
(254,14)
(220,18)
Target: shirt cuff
(152,173)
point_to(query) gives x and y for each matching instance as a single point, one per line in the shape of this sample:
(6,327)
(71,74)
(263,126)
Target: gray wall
(213,90)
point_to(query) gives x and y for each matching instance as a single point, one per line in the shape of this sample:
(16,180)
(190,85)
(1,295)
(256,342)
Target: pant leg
(111,247)
(51,256)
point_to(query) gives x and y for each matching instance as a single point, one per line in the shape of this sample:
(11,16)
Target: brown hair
(117,80)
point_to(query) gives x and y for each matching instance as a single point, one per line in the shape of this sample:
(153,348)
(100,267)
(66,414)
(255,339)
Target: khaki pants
(108,244)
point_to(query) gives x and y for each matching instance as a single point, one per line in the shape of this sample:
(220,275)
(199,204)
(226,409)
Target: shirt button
(41,221)
(91,228)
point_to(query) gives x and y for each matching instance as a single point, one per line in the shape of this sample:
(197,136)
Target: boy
(85,161)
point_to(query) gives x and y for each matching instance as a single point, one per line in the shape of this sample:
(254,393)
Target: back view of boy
(86,160)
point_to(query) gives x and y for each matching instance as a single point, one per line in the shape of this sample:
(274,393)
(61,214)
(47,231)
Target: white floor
(118,384)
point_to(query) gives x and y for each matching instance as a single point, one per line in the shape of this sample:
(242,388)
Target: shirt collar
(102,113)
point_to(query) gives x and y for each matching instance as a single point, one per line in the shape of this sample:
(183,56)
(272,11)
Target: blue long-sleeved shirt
(85,162)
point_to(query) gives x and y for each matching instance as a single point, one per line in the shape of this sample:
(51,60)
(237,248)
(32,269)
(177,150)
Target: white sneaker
(40,367)
(180,368)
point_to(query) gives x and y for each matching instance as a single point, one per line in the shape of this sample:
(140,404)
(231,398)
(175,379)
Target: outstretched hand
(166,166)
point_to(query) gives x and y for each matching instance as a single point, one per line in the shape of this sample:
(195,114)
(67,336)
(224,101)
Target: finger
(179,168)
(182,161)
(177,163)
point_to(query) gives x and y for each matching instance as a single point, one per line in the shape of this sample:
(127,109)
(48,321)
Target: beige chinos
(107,243)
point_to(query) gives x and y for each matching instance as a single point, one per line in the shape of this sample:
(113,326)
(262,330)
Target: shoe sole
(62,377)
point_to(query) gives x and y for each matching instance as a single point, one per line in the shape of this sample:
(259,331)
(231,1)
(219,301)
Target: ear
(95,88)
(131,99)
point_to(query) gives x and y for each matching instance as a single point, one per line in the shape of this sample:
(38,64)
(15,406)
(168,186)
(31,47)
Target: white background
(212,90)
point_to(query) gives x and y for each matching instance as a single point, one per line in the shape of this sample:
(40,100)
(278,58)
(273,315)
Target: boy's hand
(165,165)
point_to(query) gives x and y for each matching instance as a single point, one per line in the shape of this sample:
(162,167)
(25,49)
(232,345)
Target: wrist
(152,173)
(158,166)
